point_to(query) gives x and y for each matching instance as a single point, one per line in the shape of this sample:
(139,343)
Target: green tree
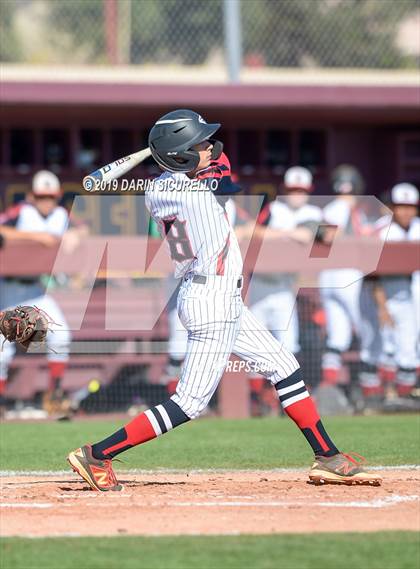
(9,43)
(83,21)
(326,33)
(283,33)
(182,31)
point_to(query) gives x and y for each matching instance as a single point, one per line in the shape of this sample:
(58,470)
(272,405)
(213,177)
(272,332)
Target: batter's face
(296,198)
(204,150)
(404,214)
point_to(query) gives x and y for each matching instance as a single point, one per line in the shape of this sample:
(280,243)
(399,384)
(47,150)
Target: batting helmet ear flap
(217,148)
(185,163)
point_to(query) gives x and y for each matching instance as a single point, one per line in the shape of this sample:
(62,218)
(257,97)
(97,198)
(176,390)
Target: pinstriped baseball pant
(218,325)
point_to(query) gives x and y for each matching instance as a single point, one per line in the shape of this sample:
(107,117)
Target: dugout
(74,120)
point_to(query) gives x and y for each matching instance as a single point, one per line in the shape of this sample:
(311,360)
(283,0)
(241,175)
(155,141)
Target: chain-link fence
(259,33)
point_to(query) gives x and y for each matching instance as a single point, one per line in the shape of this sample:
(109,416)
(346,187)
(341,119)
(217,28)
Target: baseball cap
(404,194)
(45,183)
(298,177)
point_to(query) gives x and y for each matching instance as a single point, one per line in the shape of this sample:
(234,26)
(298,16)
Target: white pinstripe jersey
(200,237)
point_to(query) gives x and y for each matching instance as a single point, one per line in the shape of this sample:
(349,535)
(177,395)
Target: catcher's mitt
(24,325)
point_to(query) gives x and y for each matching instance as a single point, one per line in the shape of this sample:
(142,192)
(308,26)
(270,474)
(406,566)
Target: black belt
(201,279)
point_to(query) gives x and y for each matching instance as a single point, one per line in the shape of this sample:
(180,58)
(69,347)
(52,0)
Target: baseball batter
(41,219)
(206,254)
(220,171)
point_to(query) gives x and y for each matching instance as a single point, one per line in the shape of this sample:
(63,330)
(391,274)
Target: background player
(394,294)
(341,301)
(205,250)
(39,219)
(273,296)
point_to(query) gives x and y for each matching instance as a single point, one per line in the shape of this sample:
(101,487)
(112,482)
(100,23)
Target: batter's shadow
(80,486)
(135,483)
(77,486)
(8,485)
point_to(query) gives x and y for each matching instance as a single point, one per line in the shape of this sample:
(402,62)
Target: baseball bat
(115,169)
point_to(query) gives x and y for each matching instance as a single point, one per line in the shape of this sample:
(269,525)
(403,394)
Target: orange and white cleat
(97,473)
(342,469)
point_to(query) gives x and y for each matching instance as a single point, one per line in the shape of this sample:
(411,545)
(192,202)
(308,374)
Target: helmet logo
(200,119)
(172,121)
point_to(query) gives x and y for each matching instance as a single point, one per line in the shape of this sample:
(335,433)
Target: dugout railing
(103,353)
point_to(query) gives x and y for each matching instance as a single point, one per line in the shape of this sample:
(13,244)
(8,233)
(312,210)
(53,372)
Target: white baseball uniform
(178,336)
(206,253)
(26,217)
(340,299)
(273,296)
(401,298)
(415,291)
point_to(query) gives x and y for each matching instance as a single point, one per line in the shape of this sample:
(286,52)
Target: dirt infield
(206,503)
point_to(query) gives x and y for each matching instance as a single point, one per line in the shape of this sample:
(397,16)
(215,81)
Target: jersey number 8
(179,243)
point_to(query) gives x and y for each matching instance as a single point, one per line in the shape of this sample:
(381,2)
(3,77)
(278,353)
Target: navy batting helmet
(172,137)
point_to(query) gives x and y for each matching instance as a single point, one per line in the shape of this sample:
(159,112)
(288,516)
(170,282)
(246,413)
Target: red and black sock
(146,426)
(300,407)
